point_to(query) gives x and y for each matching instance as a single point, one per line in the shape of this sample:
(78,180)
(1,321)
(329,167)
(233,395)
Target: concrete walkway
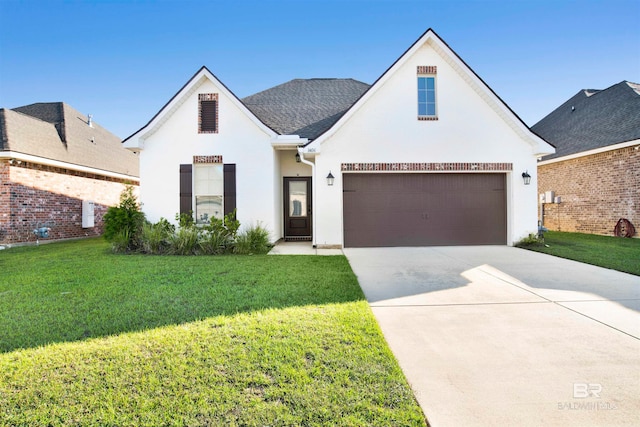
(301,248)
(502,336)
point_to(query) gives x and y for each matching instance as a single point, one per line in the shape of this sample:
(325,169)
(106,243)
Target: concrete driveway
(495,335)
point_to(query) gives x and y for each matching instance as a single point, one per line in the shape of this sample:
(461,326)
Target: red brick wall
(5,191)
(33,194)
(596,191)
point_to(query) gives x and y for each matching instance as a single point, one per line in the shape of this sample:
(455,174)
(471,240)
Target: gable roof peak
(133,141)
(435,42)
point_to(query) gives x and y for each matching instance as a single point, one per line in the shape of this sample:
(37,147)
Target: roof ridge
(327,78)
(305,107)
(27,115)
(591,92)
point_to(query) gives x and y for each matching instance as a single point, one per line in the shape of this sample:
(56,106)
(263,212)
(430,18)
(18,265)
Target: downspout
(313,194)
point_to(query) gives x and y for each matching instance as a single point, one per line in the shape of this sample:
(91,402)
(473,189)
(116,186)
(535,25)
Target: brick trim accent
(207,159)
(427,69)
(207,97)
(428,118)
(425,167)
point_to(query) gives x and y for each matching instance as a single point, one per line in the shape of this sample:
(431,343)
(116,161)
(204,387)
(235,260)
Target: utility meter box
(42,232)
(548,196)
(88,214)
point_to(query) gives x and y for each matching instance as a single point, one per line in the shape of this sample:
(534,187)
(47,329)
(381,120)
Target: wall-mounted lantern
(330,179)
(297,157)
(526,177)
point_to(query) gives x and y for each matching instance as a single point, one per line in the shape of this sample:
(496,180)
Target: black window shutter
(186,193)
(229,187)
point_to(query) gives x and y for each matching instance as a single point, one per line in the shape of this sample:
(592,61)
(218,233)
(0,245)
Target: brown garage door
(424,209)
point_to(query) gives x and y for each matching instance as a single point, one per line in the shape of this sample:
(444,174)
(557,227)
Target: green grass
(91,338)
(616,253)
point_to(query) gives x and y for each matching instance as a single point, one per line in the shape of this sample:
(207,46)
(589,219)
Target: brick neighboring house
(596,168)
(52,158)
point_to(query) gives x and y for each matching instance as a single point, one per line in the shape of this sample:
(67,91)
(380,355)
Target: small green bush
(155,237)
(253,241)
(530,240)
(185,219)
(120,241)
(218,236)
(228,224)
(185,241)
(215,242)
(124,221)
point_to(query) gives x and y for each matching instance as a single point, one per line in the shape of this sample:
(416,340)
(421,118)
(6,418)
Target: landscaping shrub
(227,225)
(123,223)
(531,240)
(120,241)
(214,242)
(155,237)
(128,231)
(185,219)
(253,241)
(185,241)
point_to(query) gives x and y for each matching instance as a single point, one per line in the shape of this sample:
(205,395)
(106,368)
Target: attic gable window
(427,105)
(208,113)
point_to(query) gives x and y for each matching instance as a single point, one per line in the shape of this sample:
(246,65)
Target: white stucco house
(426,155)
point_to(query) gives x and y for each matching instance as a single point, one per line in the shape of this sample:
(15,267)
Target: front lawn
(616,253)
(92,338)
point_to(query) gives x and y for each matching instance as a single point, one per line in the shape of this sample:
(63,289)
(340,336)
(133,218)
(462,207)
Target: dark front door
(297,208)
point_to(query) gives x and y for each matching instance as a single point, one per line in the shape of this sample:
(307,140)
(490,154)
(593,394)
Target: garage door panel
(424,209)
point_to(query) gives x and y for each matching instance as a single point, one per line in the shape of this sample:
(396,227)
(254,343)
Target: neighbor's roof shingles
(593,119)
(305,107)
(56,131)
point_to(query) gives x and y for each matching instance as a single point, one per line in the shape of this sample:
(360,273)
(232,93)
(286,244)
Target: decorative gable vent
(208,113)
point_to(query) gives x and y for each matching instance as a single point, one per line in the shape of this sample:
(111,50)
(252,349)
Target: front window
(208,191)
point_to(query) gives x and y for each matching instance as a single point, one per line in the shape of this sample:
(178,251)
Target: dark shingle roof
(305,107)
(593,119)
(55,131)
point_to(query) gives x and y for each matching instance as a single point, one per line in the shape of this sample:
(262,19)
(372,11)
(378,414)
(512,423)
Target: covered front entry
(297,208)
(424,209)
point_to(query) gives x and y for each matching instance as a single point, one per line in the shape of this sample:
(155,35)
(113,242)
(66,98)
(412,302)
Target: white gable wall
(240,140)
(385,129)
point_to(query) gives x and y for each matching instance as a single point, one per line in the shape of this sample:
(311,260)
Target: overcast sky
(121,61)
